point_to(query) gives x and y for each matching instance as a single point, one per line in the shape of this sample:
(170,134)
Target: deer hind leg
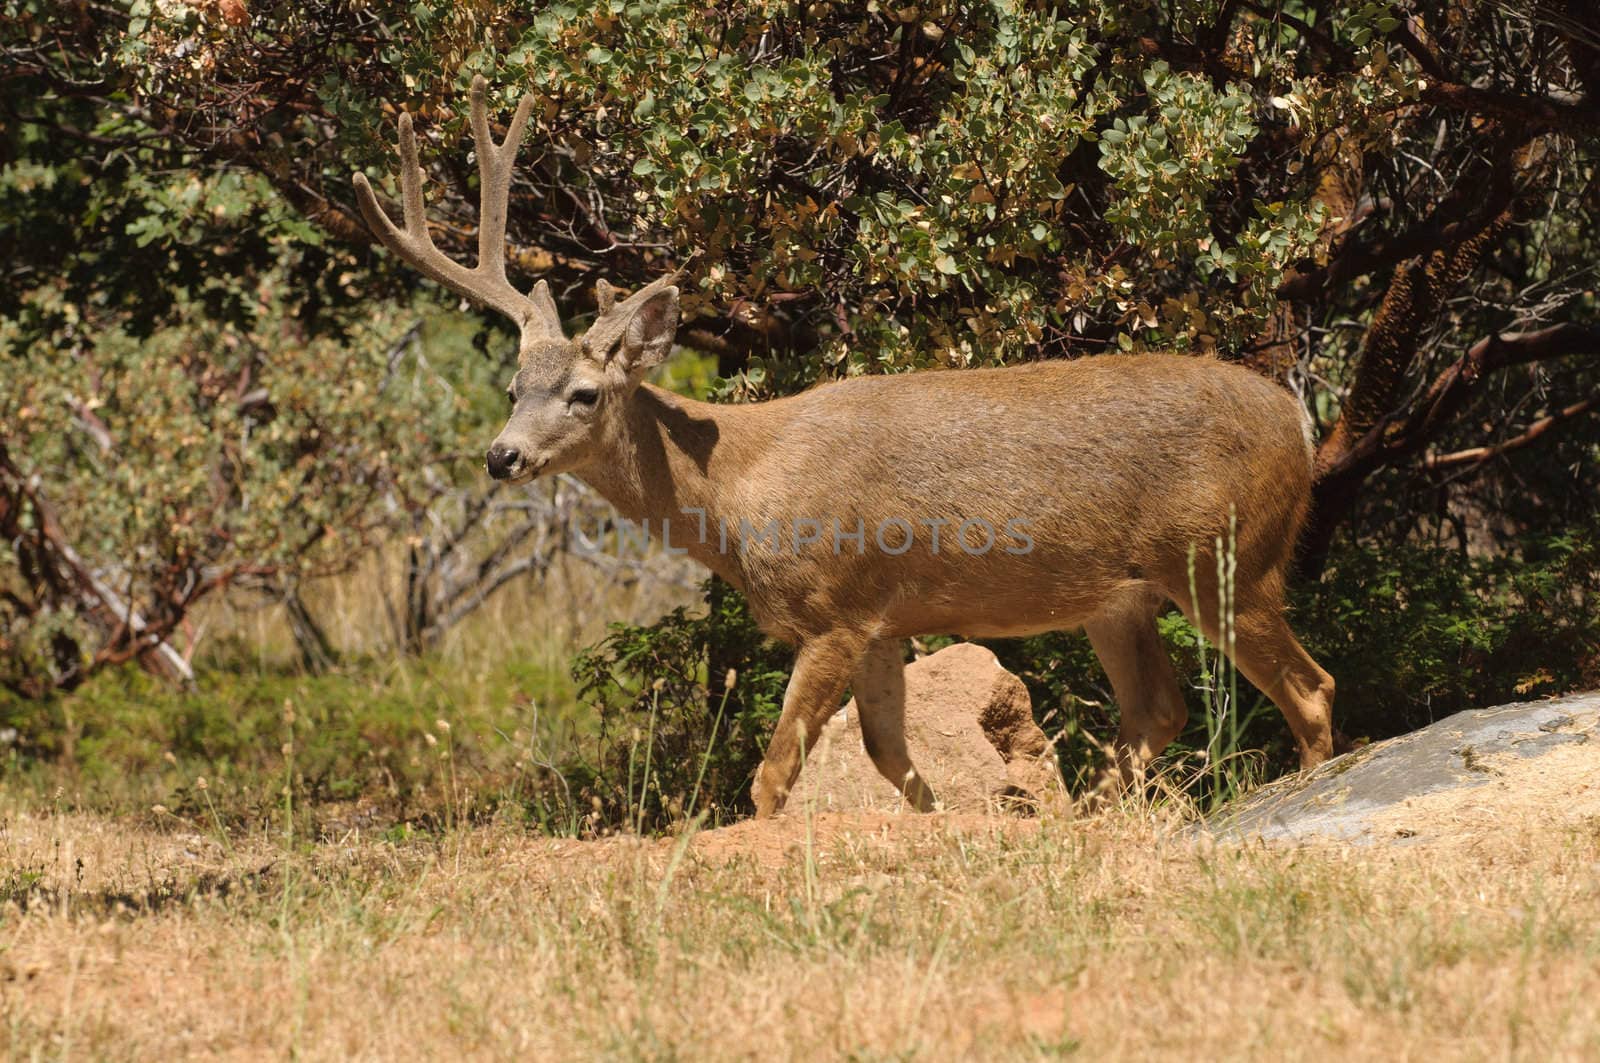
(1149,699)
(879,685)
(822,667)
(1267,653)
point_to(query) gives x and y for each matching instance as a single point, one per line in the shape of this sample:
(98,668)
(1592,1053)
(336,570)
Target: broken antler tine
(605,296)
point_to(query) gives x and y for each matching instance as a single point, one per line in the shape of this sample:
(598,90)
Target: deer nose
(501,460)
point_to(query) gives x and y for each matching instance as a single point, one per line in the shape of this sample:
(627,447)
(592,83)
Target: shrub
(1414,633)
(673,738)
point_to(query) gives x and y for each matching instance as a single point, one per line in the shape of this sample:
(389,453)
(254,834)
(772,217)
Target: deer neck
(669,460)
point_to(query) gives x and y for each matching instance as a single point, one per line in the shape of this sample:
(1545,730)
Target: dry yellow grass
(567,608)
(869,938)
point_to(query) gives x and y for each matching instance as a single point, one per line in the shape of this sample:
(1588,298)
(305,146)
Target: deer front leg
(880,689)
(821,670)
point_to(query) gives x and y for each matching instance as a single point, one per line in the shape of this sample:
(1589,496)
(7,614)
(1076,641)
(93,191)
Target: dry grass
(870,938)
(567,608)
(141,935)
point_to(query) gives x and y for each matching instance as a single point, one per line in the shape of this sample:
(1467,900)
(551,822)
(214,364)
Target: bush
(420,741)
(675,737)
(1414,633)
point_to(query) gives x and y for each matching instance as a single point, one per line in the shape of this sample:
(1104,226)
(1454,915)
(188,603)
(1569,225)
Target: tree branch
(1538,114)
(1407,432)
(1450,390)
(1531,434)
(126,632)
(1450,222)
(1425,56)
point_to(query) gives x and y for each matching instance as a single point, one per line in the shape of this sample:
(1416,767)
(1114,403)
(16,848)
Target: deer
(1103,486)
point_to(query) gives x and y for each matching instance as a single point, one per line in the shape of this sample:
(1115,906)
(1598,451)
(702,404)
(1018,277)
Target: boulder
(1539,760)
(970,732)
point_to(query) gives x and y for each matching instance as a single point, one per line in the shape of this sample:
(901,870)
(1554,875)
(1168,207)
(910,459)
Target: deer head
(566,393)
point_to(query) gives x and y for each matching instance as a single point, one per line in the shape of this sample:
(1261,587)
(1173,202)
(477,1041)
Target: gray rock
(1339,799)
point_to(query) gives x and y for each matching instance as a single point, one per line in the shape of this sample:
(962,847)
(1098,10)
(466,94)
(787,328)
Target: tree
(1390,207)
(203,392)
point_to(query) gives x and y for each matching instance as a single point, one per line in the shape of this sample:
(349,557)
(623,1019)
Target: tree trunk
(316,652)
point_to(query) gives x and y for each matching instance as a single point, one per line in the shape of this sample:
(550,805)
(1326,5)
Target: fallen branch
(128,634)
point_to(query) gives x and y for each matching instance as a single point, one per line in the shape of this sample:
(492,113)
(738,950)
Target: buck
(988,503)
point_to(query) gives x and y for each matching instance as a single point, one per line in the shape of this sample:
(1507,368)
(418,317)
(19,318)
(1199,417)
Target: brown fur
(1118,464)
(1119,468)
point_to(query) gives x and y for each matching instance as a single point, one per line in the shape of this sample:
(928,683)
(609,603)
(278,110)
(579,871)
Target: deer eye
(585,397)
(511,398)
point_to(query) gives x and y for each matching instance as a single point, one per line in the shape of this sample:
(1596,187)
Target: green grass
(368,731)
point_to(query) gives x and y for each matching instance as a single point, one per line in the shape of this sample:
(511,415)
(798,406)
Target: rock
(1535,758)
(970,731)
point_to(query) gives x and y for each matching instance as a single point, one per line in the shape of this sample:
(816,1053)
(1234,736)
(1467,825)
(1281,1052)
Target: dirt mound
(830,836)
(970,731)
(825,838)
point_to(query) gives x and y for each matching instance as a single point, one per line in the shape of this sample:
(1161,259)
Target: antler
(486,282)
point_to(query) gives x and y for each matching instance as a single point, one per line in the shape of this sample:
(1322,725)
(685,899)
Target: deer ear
(648,338)
(546,318)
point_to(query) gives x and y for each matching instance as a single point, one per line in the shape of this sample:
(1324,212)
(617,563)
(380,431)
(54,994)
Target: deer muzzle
(509,463)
